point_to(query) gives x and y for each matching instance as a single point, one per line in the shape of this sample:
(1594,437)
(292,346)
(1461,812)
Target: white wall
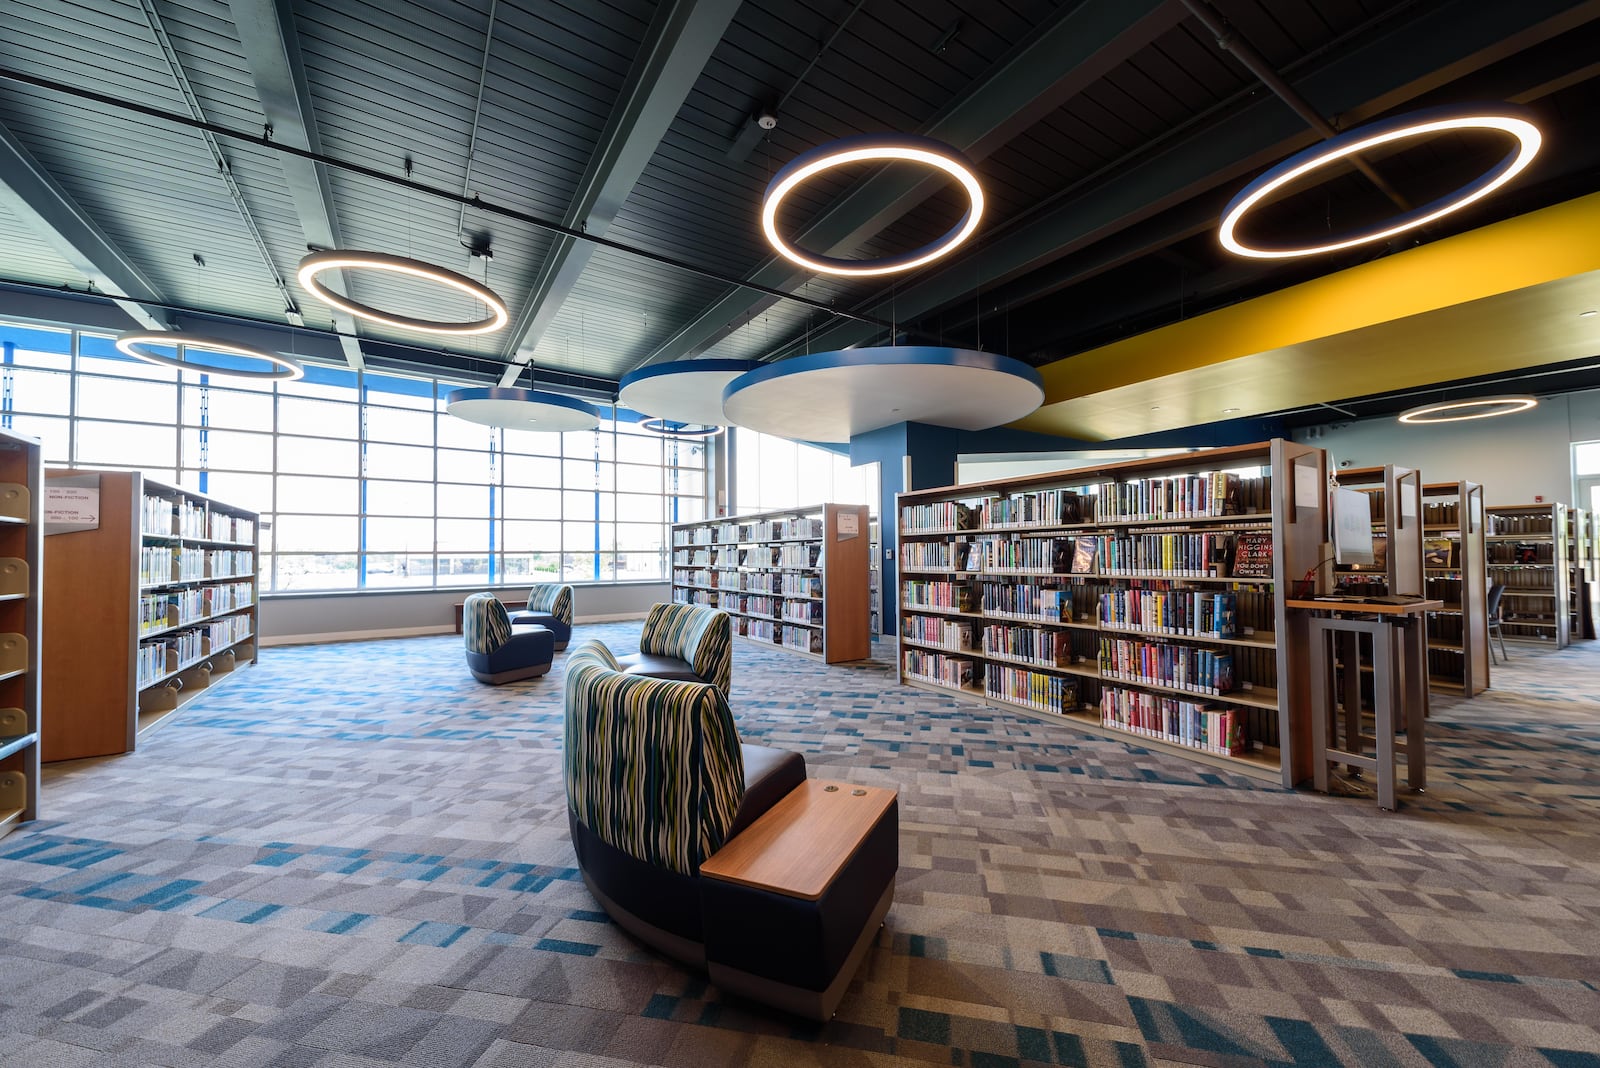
(288,619)
(1515,457)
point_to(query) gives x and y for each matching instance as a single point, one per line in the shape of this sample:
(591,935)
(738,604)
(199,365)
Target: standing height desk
(1399,688)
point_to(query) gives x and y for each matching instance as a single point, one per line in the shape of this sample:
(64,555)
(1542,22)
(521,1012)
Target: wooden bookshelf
(1530,553)
(149,607)
(796,578)
(1088,596)
(21,545)
(1458,635)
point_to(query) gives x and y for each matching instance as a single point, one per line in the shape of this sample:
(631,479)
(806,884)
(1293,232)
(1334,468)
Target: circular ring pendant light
(1461,411)
(336,259)
(515,408)
(1505,118)
(673,429)
(135,342)
(871,148)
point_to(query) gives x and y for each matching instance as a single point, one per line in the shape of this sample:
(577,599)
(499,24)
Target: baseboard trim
(411,632)
(354,635)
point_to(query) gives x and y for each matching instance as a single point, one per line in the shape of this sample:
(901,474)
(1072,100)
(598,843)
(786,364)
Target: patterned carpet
(353,856)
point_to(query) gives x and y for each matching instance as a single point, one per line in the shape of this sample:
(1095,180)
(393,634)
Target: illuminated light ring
(869,148)
(1502,405)
(675,429)
(515,408)
(337,259)
(1504,117)
(129,344)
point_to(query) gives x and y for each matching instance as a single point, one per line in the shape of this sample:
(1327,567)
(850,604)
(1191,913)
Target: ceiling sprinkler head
(767,120)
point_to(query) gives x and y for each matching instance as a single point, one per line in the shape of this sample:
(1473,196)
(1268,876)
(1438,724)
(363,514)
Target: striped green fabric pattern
(484,623)
(552,598)
(653,767)
(700,635)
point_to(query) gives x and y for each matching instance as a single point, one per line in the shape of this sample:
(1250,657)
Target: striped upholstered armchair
(498,651)
(550,606)
(685,642)
(657,782)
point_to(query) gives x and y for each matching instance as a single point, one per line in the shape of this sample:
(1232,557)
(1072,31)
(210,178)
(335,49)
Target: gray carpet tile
(353,855)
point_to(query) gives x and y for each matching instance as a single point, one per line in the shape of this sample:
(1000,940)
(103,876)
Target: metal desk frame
(1400,696)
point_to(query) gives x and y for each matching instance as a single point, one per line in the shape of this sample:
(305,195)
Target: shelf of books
(875,581)
(1141,600)
(795,578)
(150,604)
(1454,566)
(1589,569)
(1529,554)
(1581,619)
(21,727)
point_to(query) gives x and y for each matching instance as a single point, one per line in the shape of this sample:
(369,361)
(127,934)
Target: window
(362,480)
(772,473)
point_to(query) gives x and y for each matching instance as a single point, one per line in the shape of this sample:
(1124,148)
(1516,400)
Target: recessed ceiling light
(1225,411)
(1587,314)
(1155,407)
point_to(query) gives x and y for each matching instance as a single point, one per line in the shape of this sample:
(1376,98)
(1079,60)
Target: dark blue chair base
(527,617)
(526,655)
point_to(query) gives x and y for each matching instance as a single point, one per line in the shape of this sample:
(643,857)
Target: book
(1252,554)
(1436,552)
(1224,615)
(1084,549)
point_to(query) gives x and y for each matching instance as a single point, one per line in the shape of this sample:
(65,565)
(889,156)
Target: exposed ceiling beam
(675,50)
(1459,36)
(29,192)
(271,47)
(1078,46)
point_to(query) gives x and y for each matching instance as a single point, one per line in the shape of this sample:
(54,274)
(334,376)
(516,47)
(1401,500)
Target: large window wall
(771,473)
(363,480)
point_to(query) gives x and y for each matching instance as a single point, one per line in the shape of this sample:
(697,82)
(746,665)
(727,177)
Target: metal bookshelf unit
(1530,554)
(796,578)
(1454,567)
(1142,601)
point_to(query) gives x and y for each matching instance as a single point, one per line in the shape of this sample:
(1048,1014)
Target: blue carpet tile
(353,855)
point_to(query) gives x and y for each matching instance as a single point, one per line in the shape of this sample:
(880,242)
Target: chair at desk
(1496,592)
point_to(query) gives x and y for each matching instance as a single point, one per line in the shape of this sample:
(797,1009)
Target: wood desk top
(799,844)
(1366,609)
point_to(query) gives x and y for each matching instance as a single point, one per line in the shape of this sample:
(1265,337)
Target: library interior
(837,532)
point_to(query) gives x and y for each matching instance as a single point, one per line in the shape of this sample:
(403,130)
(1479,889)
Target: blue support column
(932,450)
(7,398)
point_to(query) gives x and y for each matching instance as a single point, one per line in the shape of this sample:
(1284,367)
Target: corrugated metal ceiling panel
(27,258)
(618,310)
